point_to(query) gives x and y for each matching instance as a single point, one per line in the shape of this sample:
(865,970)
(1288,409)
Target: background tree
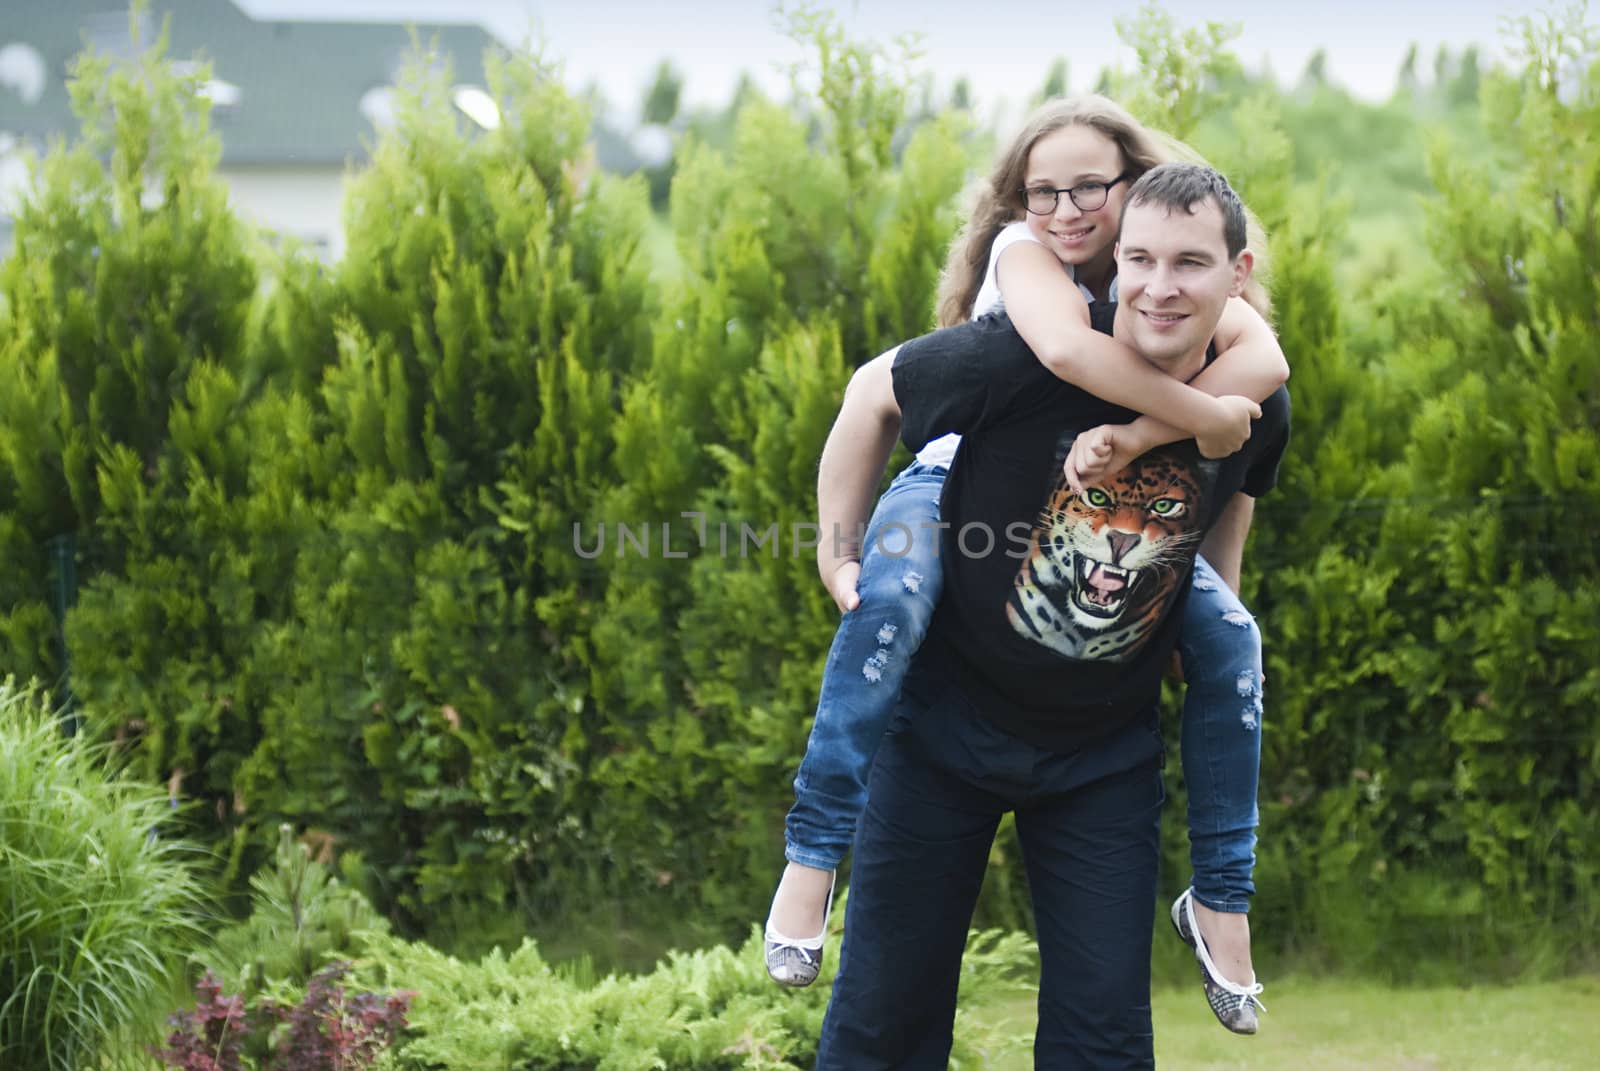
(662,99)
(961,95)
(1406,82)
(1179,71)
(1315,75)
(124,309)
(659,118)
(807,247)
(1055,82)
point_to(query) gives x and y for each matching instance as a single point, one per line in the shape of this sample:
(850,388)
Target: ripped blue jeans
(1221,739)
(899,586)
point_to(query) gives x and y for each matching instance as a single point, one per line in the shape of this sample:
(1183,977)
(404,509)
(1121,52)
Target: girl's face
(1065,159)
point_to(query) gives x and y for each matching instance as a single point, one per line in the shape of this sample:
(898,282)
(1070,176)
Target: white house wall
(300,202)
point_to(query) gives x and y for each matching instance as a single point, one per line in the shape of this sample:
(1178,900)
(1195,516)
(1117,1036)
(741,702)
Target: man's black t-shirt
(1059,610)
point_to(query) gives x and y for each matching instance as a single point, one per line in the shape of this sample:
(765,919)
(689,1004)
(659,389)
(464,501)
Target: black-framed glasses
(1087,196)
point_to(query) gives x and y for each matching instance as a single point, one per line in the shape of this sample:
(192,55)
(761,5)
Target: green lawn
(1340,1025)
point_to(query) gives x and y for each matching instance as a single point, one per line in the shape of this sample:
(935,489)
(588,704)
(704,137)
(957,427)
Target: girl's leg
(899,586)
(1221,749)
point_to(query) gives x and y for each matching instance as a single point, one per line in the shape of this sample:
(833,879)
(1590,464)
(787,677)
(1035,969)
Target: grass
(98,907)
(1346,1025)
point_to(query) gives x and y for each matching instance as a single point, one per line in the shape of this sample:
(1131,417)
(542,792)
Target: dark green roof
(300,83)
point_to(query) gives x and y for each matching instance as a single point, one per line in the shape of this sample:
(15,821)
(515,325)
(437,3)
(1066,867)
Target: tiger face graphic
(1103,567)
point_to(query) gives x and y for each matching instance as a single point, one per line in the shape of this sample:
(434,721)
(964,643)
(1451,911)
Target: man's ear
(1243,265)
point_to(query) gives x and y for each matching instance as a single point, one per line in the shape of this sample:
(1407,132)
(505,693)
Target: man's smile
(1163,320)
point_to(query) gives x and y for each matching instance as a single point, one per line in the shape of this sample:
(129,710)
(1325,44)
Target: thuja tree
(809,245)
(1496,573)
(139,403)
(1176,82)
(428,707)
(1437,670)
(335,586)
(122,332)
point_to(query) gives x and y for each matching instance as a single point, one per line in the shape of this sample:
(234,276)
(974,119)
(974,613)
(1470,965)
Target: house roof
(299,85)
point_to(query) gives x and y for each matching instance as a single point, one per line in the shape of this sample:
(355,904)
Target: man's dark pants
(1089,825)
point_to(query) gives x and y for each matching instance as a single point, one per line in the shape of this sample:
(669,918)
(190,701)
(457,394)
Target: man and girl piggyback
(1105,387)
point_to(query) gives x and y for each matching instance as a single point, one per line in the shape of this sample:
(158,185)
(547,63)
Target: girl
(1053,202)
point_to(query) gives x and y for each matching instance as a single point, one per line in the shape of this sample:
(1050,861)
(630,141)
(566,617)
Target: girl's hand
(1099,452)
(1232,429)
(841,585)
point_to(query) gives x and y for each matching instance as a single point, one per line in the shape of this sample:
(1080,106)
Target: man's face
(1174,276)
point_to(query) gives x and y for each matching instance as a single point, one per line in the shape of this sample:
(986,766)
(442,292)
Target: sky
(1003,47)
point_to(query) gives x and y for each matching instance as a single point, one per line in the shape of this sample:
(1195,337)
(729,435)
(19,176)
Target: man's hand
(1232,429)
(1098,453)
(842,585)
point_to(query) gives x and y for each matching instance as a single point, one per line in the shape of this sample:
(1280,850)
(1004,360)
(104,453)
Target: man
(1036,690)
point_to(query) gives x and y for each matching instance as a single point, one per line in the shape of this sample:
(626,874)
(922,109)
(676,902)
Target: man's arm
(1224,544)
(851,469)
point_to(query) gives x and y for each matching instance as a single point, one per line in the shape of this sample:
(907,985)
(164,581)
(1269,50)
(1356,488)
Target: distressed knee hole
(886,634)
(1238,619)
(1203,584)
(912,581)
(872,670)
(1251,715)
(1248,686)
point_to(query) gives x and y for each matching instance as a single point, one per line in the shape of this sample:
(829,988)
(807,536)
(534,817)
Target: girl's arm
(1249,362)
(1050,314)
